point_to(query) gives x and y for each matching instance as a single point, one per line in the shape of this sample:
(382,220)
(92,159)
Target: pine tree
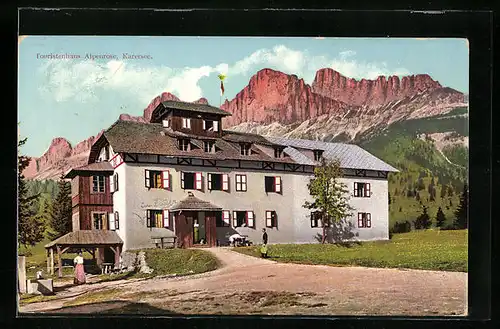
(60,219)
(443,191)
(460,221)
(420,184)
(440,218)
(423,221)
(30,228)
(450,190)
(417,196)
(432,192)
(389,196)
(329,194)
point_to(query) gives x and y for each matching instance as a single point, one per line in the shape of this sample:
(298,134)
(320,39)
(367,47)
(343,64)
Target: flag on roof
(221,78)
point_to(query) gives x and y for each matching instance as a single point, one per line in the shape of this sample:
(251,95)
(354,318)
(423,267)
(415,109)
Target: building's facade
(182,176)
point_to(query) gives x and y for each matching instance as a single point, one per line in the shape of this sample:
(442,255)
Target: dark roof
(153,138)
(205,108)
(97,167)
(87,238)
(239,137)
(191,203)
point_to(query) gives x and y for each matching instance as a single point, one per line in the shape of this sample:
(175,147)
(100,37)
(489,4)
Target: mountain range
(372,113)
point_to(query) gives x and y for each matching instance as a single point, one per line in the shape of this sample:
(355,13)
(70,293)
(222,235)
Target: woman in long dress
(79,270)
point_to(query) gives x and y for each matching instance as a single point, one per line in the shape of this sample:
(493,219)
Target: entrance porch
(195,222)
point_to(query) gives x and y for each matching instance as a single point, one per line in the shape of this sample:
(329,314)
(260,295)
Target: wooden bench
(163,241)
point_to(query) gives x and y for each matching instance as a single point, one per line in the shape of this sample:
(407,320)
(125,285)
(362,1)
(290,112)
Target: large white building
(182,176)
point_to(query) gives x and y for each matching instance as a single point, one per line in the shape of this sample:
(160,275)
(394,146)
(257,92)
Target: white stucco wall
(120,202)
(293,220)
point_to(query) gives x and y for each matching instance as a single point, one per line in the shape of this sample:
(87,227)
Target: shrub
(403,227)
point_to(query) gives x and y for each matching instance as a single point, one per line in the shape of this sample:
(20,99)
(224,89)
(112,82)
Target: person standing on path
(79,270)
(263,249)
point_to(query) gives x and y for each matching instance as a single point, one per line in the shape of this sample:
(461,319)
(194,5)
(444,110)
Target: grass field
(426,250)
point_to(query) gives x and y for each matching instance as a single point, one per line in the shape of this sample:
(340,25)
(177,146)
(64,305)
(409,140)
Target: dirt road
(248,285)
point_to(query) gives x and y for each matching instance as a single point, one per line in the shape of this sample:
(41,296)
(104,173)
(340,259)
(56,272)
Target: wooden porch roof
(192,203)
(87,238)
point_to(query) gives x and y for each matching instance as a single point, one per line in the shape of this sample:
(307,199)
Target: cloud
(65,80)
(347,53)
(86,80)
(305,65)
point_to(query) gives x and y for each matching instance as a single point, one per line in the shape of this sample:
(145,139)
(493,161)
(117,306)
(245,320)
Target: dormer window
(210,125)
(278,152)
(166,123)
(245,149)
(183,144)
(186,123)
(318,154)
(209,146)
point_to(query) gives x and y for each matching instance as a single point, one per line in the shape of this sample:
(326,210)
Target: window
(209,146)
(157,218)
(157,179)
(186,123)
(316,219)
(99,221)
(278,152)
(191,180)
(210,125)
(241,183)
(362,190)
(318,154)
(117,221)
(166,123)
(271,218)
(183,144)
(222,219)
(243,219)
(218,182)
(273,184)
(98,184)
(114,183)
(245,149)
(364,220)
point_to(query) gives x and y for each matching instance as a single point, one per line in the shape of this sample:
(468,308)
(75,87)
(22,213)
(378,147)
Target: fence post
(21,273)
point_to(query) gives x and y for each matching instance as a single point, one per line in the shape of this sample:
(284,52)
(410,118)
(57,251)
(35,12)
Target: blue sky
(76,98)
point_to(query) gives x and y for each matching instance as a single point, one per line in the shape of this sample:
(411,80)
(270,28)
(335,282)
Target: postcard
(243,175)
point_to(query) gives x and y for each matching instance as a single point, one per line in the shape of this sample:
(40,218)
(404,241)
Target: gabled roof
(204,108)
(153,138)
(87,238)
(192,203)
(350,156)
(98,167)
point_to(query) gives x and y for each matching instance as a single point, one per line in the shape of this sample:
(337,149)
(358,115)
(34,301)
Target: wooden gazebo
(88,240)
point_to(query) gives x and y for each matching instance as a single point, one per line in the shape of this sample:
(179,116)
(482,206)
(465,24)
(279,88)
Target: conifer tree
(423,221)
(61,214)
(440,218)
(30,227)
(443,191)
(461,212)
